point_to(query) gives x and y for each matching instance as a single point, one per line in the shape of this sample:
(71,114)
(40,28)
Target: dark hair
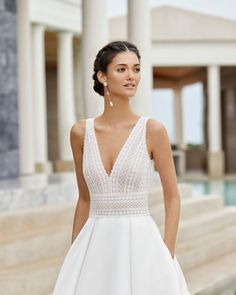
(105,56)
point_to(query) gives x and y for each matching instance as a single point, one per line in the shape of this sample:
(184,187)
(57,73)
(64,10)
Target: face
(123,74)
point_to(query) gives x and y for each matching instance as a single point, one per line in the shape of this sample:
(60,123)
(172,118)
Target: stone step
(22,221)
(193,206)
(156,193)
(32,279)
(190,207)
(35,246)
(38,190)
(194,253)
(206,224)
(217,277)
(55,226)
(39,241)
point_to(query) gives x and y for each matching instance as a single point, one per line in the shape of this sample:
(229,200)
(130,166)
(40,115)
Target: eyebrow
(126,65)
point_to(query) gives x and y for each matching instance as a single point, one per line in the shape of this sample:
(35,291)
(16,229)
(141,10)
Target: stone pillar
(140,35)
(79,101)
(66,108)
(178,118)
(215,153)
(26,107)
(39,95)
(180,153)
(229,129)
(94,37)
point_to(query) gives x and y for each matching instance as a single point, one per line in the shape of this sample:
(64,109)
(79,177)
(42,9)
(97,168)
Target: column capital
(213,66)
(39,27)
(213,69)
(62,34)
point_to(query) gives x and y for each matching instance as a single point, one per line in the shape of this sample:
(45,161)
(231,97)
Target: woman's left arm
(164,163)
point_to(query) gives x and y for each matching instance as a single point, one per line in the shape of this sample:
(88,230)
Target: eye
(120,70)
(137,70)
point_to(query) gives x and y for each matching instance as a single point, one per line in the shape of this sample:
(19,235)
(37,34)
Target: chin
(130,92)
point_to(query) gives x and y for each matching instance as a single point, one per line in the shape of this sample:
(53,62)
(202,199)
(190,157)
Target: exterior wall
(168,49)
(193,53)
(9,146)
(172,23)
(58,15)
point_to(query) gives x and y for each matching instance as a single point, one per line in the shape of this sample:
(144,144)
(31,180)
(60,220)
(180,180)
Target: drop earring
(108,94)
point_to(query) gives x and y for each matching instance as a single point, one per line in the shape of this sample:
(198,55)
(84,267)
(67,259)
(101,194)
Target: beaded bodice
(125,190)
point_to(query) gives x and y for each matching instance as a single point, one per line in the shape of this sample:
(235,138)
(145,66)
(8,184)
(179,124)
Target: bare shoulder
(156,129)
(77,133)
(157,137)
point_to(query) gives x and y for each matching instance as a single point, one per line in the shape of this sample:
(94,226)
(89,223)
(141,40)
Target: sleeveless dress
(119,250)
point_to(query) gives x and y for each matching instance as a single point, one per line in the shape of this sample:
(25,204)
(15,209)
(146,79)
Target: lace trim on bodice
(116,204)
(125,190)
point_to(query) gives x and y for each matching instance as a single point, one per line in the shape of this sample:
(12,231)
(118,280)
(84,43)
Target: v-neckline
(120,151)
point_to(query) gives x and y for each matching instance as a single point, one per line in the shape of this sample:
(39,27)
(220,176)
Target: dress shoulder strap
(87,133)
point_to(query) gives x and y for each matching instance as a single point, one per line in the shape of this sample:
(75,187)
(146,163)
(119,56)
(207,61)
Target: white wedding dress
(119,250)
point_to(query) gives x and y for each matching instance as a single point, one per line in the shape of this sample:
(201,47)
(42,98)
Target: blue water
(226,188)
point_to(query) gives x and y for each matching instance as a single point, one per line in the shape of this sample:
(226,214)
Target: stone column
(79,100)
(229,129)
(26,107)
(139,33)
(215,153)
(66,108)
(178,118)
(39,95)
(180,153)
(94,37)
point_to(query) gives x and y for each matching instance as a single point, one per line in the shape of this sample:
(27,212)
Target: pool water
(226,188)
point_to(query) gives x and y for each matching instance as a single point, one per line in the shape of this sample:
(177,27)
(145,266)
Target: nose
(130,74)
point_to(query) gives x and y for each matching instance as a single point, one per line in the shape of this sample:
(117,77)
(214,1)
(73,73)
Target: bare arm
(82,207)
(162,155)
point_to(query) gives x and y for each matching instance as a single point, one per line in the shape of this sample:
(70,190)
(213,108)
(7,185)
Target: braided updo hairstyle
(105,56)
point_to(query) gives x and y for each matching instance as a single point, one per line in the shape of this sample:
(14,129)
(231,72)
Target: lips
(129,85)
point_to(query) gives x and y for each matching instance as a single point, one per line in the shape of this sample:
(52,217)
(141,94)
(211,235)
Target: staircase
(206,244)
(34,242)
(32,246)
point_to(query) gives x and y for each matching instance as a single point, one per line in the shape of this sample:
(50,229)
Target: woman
(116,246)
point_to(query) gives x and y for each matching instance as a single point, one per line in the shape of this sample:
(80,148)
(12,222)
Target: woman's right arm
(82,208)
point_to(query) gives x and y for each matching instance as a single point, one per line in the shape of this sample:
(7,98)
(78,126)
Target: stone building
(9,126)
(46,85)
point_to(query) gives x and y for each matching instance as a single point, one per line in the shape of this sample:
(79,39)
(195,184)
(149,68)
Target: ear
(101,77)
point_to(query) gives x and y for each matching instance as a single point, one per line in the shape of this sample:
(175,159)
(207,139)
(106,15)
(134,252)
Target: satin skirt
(123,255)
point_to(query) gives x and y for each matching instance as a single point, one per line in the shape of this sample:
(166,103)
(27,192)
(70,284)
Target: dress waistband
(114,204)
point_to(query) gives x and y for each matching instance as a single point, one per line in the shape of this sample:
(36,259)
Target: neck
(120,111)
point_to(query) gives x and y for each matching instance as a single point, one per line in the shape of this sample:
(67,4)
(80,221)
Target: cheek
(116,80)
(138,78)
